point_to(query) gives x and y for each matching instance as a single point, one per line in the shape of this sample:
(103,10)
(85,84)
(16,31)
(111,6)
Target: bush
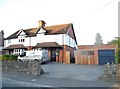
(9,57)
(0,57)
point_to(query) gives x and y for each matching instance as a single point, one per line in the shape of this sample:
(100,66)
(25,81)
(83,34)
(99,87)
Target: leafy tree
(114,41)
(98,40)
(117,42)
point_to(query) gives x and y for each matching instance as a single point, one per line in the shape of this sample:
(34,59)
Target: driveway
(60,75)
(73,71)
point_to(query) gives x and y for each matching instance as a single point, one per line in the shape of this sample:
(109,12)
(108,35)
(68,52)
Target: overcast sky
(89,17)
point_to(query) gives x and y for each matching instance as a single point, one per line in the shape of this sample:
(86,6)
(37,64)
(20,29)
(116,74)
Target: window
(18,51)
(90,52)
(9,41)
(83,53)
(21,40)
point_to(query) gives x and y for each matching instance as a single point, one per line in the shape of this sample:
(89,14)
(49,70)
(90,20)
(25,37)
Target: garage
(106,56)
(95,54)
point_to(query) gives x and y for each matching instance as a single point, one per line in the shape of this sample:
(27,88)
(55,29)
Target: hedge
(8,57)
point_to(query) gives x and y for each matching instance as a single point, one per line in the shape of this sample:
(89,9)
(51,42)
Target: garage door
(105,56)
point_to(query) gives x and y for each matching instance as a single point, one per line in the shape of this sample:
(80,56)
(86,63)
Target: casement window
(87,52)
(83,52)
(90,52)
(21,40)
(9,41)
(18,51)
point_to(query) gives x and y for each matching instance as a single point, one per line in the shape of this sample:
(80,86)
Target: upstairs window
(21,40)
(9,41)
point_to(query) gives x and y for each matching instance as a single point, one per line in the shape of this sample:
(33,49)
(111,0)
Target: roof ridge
(46,26)
(60,24)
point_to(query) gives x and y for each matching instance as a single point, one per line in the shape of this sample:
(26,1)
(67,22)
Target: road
(59,75)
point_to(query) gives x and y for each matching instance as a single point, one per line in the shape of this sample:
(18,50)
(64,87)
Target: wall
(46,38)
(32,41)
(68,49)
(16,41)
(26,67)
(69,41)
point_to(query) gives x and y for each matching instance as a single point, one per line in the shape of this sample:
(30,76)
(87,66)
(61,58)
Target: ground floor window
(90,52)
(18,51)
(83,52)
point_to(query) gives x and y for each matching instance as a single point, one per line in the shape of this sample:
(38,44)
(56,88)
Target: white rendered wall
(32,41)
(69,41)
(46,38)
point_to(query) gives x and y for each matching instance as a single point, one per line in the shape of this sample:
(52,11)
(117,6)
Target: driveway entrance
(73,71)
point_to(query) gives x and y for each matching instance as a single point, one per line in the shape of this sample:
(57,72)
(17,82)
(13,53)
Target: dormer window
(41,31)
(21,33)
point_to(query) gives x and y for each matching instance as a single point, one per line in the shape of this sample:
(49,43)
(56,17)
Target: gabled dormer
(41,29)
(21,33)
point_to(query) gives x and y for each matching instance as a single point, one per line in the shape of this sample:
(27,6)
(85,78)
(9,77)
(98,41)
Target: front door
(53,55)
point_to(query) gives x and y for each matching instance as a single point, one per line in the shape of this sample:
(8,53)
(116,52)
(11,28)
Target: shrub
(0,57)
(9,57)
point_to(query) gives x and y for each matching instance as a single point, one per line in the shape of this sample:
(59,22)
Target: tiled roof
(16,46)
(56,29)
(50,30)
(47,44)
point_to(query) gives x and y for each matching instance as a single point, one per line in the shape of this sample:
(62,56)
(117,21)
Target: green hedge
(8,57)
(0,57)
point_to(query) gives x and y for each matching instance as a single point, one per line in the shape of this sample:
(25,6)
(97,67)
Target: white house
(57,39)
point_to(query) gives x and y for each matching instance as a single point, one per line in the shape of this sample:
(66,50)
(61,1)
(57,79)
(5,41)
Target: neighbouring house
(1,41)
(59,40)
(96,54)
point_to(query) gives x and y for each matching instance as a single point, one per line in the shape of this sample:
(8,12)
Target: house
(57,39)
(1,41)
(96,54)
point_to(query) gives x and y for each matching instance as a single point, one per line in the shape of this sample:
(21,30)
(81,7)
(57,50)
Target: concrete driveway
(73,71)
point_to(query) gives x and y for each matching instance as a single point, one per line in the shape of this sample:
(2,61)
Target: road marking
(36,85)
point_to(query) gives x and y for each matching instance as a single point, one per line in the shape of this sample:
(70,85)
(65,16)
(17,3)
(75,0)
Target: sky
(89,17)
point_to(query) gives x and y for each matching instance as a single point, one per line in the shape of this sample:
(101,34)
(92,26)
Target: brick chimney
(41,23)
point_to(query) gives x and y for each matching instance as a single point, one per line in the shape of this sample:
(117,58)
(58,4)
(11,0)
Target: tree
(98,40)
(116,41)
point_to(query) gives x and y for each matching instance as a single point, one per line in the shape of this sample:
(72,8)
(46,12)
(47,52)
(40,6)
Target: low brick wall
(110,73)
(26,67)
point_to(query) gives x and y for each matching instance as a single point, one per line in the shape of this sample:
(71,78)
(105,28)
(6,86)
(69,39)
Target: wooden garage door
(105,56)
